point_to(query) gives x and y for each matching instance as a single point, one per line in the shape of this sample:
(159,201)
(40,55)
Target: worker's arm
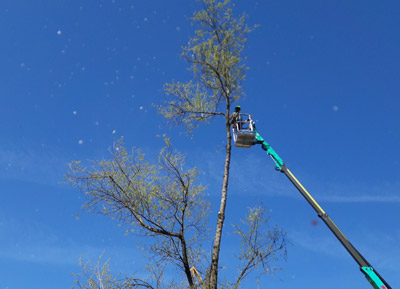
(233,115)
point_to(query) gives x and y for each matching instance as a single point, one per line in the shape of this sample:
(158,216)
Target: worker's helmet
(237,108)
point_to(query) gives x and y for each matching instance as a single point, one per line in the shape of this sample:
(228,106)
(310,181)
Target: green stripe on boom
(373,278)
(270,151)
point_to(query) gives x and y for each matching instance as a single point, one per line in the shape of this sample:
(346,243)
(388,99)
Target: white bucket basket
(244,137)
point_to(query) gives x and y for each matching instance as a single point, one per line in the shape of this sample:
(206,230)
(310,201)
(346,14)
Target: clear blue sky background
(323,86)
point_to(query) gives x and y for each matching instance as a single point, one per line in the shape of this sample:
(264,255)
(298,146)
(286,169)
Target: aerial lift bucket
(244,137)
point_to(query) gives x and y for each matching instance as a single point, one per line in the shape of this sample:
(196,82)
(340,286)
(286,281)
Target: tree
(260,244)
(163,201)
(159,201)
(215,57)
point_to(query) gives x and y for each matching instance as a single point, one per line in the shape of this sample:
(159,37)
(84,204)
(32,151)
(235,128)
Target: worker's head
(237,108)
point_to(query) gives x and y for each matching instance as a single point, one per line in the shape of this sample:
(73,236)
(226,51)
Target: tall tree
(162,201)
(219,70)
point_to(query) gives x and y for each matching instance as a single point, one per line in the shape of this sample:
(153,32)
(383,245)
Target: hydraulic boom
(372,275)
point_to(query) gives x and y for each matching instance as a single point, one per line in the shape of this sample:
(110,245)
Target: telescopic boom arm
(372,275)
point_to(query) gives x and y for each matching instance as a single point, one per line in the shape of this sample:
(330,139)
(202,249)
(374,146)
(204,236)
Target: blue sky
(323,87)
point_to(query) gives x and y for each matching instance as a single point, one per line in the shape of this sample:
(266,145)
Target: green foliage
(214,54)
(156,199)
(215,51)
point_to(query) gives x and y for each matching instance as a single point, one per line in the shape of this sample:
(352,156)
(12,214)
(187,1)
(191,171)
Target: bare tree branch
(161,201)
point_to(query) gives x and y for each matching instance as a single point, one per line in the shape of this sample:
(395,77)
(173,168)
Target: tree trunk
(186,263)
(221,213)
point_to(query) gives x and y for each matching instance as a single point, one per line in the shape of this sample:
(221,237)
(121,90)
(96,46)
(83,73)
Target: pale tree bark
(221,212)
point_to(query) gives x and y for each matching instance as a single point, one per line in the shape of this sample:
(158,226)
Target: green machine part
(372,276)
(270,151)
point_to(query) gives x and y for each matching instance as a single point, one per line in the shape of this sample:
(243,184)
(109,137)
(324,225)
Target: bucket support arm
(372,276)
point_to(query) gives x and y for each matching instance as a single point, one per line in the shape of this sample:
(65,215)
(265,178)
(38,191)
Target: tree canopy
(162,201)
